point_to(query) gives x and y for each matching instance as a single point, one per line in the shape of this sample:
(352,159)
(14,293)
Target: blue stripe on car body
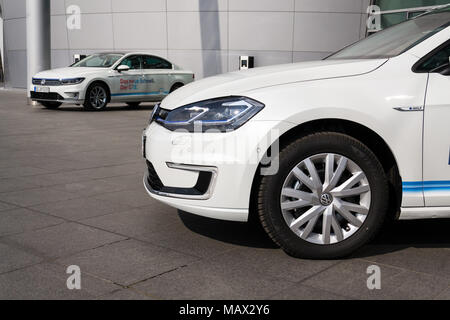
(426,186)
(139,93)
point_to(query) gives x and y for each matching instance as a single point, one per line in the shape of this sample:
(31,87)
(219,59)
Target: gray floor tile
(301,292)
(125,294)
(418,286)
(64,239)
(14,258)
(90,284)
(21,220)
(201,236)
(16,184)
(57,165)
(59,178)
(22,171)
(140,221)
(434,261)
(115,171)
(182,239)
(107,157)
(128,262)
(81,208)
(274,263)
(32,197)
(43,282)
(6,206)
(134,198)
(91,188)
(209,280)
(444,295)
(349,278)
(128,182)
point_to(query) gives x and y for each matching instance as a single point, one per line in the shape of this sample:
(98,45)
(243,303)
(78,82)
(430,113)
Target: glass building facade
(401,10)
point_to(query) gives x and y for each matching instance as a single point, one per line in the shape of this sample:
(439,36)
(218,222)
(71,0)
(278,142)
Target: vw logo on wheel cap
(326,199)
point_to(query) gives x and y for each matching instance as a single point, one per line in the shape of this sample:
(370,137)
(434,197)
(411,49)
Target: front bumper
(63,94)
(178,162)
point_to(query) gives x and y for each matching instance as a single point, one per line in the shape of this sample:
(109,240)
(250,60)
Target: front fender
(369,100)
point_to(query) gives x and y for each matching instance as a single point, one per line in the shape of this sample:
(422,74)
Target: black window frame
(416,66)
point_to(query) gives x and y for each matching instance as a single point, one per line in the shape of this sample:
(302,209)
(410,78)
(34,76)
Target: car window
(397,39)
(134,62)
(437,60)
(152,62)
(98,61)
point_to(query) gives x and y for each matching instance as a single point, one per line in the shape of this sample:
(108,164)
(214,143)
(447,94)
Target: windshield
(103,60)
(397,39)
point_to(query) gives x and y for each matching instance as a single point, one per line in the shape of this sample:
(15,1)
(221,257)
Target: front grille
(46,82)
(153,179)
(45,96)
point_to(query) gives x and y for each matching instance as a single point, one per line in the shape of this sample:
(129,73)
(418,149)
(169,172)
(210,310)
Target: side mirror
(123,67)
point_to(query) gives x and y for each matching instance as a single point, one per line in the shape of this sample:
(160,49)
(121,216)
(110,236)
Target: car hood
(238,83)
(69,72)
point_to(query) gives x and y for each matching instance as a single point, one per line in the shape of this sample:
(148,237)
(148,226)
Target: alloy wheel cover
(97,97)
(325,199)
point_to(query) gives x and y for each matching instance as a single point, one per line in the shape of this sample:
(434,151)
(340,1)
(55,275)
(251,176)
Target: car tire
(97,97)
(133,104)
(176,86)
(51,104)
(320,237)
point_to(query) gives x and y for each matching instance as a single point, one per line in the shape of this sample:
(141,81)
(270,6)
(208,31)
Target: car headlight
(221,114)
(72,81)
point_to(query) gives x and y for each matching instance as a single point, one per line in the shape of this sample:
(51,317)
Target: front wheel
(97,97)
(51,104)
(328,198)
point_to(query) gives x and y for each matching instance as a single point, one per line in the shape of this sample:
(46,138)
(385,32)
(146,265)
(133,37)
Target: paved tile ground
(71,194)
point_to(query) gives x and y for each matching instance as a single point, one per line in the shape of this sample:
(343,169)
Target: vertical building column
(38,38)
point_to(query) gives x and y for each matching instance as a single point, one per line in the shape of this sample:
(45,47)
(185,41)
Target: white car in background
(109,77)
(363,136)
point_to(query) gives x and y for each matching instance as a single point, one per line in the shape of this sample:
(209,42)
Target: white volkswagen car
(109,77)
(321,152)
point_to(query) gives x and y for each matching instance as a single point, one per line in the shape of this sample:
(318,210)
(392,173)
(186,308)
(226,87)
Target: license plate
(42,89)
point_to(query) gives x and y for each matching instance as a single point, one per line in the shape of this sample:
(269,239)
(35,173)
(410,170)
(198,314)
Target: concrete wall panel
(140,30)
(206,36)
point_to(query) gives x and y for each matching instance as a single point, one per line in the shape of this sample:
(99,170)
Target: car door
(130,85)
(436,172)
(156,72)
